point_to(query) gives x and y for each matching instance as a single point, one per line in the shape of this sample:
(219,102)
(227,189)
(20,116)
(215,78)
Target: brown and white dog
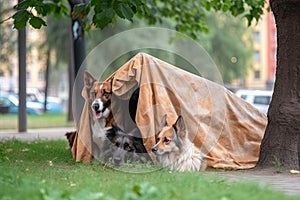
(109,141)
(174,149)
(99,98)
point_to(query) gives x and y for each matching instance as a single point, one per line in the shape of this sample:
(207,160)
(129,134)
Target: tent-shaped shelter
(224,127)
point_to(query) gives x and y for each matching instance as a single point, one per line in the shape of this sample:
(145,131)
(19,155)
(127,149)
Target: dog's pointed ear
(180,126)
(111,133)
(88,79)
(163,122)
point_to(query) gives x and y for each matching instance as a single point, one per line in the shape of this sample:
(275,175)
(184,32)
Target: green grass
(10,121)
(46,170)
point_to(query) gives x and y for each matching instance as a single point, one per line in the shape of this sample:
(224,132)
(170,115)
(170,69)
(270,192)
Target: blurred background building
(260,76)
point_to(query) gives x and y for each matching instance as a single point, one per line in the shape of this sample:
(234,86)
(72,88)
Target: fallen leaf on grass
(72,184)
(9,150)
(293,171)
(24,150)
(50,163)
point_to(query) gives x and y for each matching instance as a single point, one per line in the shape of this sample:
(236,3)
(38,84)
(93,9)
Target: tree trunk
(79,55)
(22,115)
(47,79)
(281,143)
(71,74)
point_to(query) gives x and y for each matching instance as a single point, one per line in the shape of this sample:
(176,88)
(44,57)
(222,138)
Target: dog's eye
(157,140)
(128,148)
(166,140)
(117,144)
(105,93)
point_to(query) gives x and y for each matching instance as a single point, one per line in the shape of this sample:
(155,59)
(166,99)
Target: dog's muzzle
(117,161)
(96,106)
(99,107)
(154,150)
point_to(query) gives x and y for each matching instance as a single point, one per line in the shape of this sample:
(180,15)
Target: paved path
(288,183)
(285,182)
(36,134)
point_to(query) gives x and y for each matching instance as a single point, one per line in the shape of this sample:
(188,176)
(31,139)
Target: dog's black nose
(117,161)
(96,106)
(154,150)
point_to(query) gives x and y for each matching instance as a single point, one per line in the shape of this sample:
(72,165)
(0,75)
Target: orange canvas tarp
(224,127)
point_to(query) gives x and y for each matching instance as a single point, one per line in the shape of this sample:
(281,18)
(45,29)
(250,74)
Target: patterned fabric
(224,127)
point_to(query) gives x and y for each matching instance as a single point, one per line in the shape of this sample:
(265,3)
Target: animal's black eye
(131,149)
(157,140)
(105,93)
(117,144)
(166,140)
(128,148)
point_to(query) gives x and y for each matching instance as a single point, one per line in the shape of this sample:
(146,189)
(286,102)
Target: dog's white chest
(99,129)
(190,159)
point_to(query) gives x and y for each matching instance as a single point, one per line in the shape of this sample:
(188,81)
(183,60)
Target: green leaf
(126,11)
(217,5)
(79,8)
(42,9)
(249,19)
(104,18)
(226,5)
(20,19)
(37,22)
(205,5)
(136,3)
(45,8)
(23,4)
(61,10)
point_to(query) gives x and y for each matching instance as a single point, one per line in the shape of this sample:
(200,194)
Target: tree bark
(281,142)
(22,115)
(47,79)
(71,75)
(79,55)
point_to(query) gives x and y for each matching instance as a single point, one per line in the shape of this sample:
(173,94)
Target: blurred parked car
(52,107)
(33,108)
(4,105)
(54,104)
(258,98)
